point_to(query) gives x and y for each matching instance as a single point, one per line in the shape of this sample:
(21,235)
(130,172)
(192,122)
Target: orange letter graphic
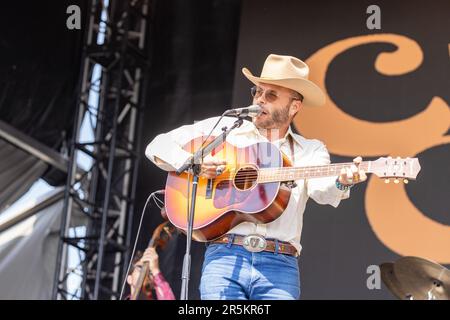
(394,219)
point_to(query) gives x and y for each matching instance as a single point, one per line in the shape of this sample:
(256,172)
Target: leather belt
(257,243)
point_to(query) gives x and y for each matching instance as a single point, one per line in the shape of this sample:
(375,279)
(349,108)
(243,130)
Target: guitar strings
(288,170)
(243,175)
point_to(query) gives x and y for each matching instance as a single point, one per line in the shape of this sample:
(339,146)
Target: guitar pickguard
(225,193)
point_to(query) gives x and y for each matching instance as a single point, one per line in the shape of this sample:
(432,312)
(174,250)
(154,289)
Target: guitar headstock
(396,168)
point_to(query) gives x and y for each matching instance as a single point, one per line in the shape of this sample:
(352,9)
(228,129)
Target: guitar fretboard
(298,173)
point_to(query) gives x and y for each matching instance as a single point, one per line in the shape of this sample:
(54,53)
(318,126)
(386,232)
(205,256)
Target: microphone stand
(193,163)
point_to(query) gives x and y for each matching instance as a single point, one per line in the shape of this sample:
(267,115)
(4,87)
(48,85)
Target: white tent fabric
(18,171)
(27,255)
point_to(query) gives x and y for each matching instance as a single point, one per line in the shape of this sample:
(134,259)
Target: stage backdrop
(387,94)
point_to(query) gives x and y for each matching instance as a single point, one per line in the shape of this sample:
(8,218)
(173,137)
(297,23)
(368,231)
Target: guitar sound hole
(245,178)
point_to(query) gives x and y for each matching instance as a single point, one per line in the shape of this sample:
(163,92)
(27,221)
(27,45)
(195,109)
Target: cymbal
(391,281)
(421,279)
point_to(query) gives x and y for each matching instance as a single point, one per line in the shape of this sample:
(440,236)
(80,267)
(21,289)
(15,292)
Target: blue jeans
(230,272)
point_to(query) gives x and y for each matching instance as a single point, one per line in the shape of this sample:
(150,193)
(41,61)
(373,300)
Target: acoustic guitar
(252,188)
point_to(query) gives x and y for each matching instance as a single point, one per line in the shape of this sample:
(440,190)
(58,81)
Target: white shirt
(307,152)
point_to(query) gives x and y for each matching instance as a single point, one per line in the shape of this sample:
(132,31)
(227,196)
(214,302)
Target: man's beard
(276,119)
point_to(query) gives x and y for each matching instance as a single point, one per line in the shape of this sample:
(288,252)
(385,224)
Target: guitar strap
(292,184)
(292,147)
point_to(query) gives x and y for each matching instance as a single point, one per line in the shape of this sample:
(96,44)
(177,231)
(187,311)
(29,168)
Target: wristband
(343,187)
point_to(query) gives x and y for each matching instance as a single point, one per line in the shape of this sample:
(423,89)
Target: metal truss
(98,205)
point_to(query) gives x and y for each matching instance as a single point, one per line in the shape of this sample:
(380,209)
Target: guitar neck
(298,173)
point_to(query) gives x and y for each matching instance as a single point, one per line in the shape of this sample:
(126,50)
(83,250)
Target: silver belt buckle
(254,243)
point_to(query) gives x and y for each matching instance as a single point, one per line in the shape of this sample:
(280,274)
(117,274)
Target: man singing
(230,270)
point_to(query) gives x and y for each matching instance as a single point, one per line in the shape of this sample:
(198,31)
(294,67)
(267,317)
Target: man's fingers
(353,174)
(343,174)
(213,166)
(208,174)
(211,171)
(357,160)
(214,162)
(349,174)
(362,175)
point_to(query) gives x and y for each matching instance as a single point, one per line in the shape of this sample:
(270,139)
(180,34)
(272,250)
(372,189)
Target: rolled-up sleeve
(324,190)
(169,146)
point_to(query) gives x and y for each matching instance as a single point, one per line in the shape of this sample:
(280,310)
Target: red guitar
(250,188)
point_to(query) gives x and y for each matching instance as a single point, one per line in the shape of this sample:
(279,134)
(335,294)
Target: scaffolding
(110,100)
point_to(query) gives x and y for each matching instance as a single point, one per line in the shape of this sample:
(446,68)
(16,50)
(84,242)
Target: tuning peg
(405,181)
(396,181)
(386,180)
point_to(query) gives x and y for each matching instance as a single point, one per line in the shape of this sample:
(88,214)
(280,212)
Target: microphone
(250,111)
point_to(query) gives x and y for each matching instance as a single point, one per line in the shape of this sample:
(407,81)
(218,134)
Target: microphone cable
(159,203)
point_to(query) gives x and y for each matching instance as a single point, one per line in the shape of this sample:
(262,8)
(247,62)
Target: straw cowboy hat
(289,72)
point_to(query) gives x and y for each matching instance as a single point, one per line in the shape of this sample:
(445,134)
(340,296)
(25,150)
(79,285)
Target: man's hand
(212,167)
(152,258)
(353,175)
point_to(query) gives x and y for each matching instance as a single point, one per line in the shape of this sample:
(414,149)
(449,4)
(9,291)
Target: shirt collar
(248,126)
(294,136)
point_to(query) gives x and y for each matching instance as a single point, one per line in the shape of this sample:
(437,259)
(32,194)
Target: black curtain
(39,69)
(193,50)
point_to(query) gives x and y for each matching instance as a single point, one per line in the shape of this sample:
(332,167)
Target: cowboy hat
(289,72)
